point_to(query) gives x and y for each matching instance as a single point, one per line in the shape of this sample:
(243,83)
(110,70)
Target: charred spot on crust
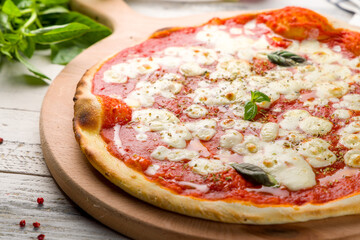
(81,83)
(85,118)
(163,29)
(163,32)
(88,153)
(86,114)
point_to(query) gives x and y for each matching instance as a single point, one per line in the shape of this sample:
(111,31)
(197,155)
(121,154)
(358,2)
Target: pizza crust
(87,125)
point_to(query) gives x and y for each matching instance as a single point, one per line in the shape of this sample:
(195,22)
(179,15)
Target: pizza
(250,119)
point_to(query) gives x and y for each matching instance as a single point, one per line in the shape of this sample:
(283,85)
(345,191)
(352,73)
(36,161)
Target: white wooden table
(23,174)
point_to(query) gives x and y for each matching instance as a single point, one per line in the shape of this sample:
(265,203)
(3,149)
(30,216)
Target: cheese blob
(286,165)
(196,111)
(317,153)
(352,158)
(269,131)
(292,118)
(315,126)
(230,139)
(205,166)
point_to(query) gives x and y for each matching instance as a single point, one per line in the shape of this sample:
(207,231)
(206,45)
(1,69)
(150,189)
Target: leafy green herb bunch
(30,25)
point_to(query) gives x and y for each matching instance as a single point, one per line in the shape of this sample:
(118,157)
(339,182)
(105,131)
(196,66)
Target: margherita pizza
(251,119)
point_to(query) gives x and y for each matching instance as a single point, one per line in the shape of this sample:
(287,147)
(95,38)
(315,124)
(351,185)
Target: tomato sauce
(291,23)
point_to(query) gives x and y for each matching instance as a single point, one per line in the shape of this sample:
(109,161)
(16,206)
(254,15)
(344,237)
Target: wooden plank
(21,150)
(19,126)
(59,218)
(19,89)
(17,157)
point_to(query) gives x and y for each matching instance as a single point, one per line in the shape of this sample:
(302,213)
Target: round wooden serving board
(108,203)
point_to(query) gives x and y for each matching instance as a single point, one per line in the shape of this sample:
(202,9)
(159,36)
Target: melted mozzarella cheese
(292,118)
(269,131)
(250,145)
(165,122)
(203,129)
(238,109)
(230,139)
(200,187)
(237,124)
(196,111)
(342,113)
(152,169)
(198,55)
(148,116)
(175,136)
(160,153)
(144,93)
(315,126)
(141,132)
(351,141)
(175,155)
(205,166)
(317,51)
(285,164)
(331,90)
(351,101)
(317,153)
(292,136)
(352,158)
(220,39)
(231,69)
(223,93)
(282,83)
(119,73)
(353,127)
(192,69)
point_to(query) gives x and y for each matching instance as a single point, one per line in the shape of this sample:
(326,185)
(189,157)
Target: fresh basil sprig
(285,58)
(255,174)
(251,109)
(29,25)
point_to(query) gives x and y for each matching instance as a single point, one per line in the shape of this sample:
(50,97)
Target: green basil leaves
(251,108)
(285,58)
(26,26)
(255,174)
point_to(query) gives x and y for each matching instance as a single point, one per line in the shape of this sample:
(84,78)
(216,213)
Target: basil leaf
(2,39)
(285,58)
(12,37)
(251,110)
(63,53)
(4,22)
(52,10)
(11,9)
(21,4)
(59,33)
(21,31)
(95,33)
(30,67)
(6,51)
(259,97)
(290,55)
(54,2)
(254,174)
(30,47)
